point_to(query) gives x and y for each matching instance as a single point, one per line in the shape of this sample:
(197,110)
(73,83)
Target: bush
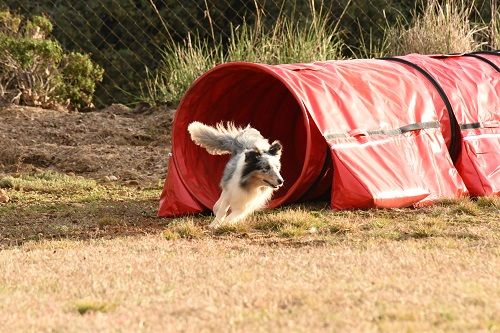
(79,75)
(34,69)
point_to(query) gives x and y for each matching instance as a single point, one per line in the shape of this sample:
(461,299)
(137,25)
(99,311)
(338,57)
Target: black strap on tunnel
(495,53)
(477,56)
(454,127)
(470,126)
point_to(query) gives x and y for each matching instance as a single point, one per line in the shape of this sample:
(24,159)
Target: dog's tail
(220,140)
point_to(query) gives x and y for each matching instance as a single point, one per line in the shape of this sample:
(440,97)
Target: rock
(4,198)
(119,109)
(111,178)
(142,107)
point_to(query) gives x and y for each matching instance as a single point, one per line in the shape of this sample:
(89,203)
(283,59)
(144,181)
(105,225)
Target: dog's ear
(252,156)
(276,148)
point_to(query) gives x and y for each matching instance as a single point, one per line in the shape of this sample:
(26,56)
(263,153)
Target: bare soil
(114,142)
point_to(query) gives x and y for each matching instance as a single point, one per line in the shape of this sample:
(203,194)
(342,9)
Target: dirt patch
(116,141)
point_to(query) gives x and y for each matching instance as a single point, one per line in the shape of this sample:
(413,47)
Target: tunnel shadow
(78,221)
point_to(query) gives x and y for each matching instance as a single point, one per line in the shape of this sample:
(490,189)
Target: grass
(80,255)
(7,182)
(89,306)
(289,40)
(492,202)
(495,32)
(48,182)
(183,228)
(442,27)
(439,27)
(50,205)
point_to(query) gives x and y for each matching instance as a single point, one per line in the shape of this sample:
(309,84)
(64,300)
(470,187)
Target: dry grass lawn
(81,255)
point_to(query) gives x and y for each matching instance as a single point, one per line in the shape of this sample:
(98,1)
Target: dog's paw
(215,224)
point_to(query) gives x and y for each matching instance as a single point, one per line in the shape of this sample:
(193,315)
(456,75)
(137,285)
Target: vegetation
(94,257)
(152,51)
(495,32)
(57,200)
(442,27)
(82,252)
(286,42)
(34,69)
(89,306)
(437,27)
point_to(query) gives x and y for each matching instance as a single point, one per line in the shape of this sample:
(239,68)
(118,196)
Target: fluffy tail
(217,140)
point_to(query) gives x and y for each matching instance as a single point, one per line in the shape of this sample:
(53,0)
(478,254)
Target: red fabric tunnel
(364,133)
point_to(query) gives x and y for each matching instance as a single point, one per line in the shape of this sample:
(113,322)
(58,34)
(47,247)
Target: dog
(250,176)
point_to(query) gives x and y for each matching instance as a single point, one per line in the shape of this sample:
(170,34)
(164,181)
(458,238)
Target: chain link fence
(127,37)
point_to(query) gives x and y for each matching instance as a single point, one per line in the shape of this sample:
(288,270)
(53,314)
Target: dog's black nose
(280,181)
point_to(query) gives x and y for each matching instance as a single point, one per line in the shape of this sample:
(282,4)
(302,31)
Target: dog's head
(262,168)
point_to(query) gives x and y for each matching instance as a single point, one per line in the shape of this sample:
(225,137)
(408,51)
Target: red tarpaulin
(368,133)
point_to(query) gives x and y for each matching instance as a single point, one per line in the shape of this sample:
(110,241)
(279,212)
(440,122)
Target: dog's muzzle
(275,186)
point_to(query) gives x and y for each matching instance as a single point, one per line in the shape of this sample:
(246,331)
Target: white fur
(237,201)
(241,201)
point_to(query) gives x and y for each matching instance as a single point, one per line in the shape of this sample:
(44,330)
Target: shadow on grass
(79,221)
(51,206)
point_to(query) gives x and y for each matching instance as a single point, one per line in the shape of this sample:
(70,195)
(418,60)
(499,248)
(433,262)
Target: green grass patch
(7,182)
(488,202)
(231,229)
(89,306)
(291,231)
(290,223)
(336,228)
(184,228)
(466,207)
(53,206)
(48,182)
(462,206)
(447,202)
(50,187)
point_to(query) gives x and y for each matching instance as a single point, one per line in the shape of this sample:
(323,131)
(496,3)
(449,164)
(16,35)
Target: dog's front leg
(220,210)
(236,215)
(217,204)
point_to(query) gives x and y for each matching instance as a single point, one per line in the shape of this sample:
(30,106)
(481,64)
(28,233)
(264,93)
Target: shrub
(79,75)
(34,69)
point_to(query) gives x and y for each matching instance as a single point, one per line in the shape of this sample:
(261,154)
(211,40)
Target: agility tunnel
(390,132)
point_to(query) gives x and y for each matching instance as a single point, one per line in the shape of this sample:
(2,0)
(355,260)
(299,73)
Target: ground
(81,248)
(116,141)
